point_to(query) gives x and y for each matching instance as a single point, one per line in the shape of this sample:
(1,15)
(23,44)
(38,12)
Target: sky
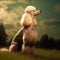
(48,21)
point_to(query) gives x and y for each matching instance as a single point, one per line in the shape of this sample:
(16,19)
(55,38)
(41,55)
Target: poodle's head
(32,10)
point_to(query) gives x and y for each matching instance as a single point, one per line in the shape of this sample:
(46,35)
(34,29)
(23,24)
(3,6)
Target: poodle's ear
(26,20)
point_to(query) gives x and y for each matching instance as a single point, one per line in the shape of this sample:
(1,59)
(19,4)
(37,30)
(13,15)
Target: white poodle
(30,36)
(27,33)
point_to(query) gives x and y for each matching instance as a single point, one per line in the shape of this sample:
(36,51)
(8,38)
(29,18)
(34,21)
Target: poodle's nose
(39,11)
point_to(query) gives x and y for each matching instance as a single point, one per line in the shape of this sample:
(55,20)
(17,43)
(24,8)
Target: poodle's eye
(33,10)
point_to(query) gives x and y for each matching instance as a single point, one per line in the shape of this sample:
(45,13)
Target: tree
(3,35)
(57,46)
(44,41)
(52,42)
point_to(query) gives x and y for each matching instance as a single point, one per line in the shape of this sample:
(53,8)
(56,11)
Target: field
(40,54)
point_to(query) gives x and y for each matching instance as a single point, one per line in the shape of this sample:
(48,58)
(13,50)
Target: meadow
(40,54)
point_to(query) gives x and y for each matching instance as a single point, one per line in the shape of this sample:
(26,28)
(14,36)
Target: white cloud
(19,10)
(12,1)
(7,2)
(49,23)
(11,17)
(3,12)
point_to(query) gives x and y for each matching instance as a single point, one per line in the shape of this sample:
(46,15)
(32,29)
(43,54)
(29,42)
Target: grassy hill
(40,54)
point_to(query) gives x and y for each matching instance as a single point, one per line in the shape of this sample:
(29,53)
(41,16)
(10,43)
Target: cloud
(7,2)
(49,23)
(3,11)
(24,1)
(19,10)
(12,1)
(11,17)
(42,24)
(57,8)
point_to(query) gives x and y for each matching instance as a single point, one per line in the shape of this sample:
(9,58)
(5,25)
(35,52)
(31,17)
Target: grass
(40,54)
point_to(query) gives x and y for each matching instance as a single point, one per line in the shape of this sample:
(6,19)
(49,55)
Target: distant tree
(44,41)
(57,46)
(3,35)
(52,42)
(48,42)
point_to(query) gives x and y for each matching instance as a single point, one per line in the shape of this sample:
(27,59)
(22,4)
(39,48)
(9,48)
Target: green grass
(40,54)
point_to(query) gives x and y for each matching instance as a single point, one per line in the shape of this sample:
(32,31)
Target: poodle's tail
(4,49)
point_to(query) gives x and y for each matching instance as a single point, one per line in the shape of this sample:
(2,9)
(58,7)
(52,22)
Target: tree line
(47,42)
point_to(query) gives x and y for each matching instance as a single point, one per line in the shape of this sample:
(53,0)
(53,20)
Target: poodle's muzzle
(37,12)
